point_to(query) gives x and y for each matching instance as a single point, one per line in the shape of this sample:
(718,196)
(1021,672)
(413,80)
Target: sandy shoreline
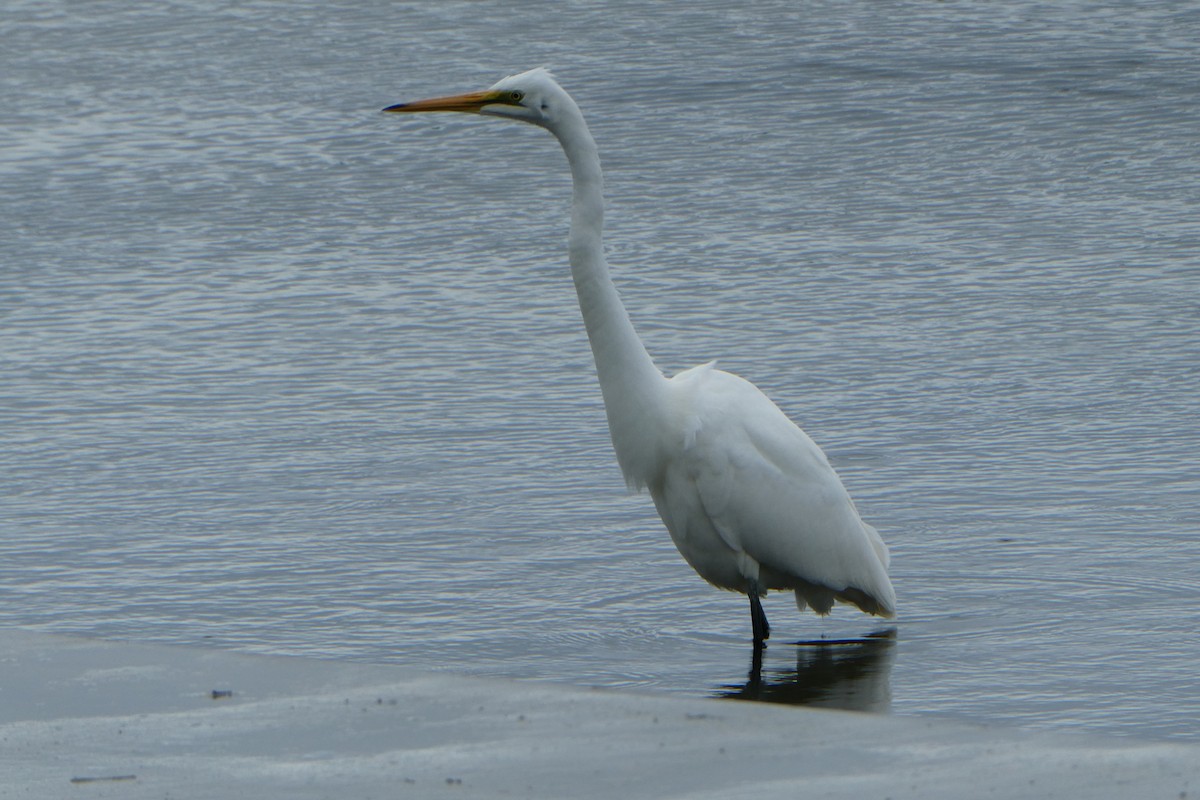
(89,718)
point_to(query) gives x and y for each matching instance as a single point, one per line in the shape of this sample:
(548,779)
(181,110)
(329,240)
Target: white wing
(747,473)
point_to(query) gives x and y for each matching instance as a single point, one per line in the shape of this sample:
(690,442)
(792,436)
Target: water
(287,375)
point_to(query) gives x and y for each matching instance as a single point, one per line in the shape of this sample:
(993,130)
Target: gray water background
(284,374)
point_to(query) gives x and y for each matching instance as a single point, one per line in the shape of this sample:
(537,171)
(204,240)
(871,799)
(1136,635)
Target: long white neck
(632,386)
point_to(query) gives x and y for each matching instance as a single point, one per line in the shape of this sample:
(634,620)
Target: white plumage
(749,499)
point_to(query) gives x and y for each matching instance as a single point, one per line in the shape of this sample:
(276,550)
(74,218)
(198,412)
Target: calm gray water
(287,375)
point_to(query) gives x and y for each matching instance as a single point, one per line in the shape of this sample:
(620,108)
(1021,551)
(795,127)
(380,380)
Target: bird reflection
(850,674)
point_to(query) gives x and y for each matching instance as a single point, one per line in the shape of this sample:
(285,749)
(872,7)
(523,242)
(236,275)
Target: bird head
(531,96)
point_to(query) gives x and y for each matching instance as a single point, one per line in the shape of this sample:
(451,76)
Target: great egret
(749,499)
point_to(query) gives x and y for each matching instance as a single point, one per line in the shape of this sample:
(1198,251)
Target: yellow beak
(471,102)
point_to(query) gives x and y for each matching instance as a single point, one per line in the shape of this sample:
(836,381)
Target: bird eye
(516,96)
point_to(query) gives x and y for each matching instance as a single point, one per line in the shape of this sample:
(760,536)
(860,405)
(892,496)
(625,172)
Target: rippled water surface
(287,375)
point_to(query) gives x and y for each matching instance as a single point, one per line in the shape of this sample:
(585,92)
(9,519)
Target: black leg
(754,681)
(758,618)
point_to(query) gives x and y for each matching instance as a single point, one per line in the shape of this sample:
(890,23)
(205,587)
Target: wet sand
(89,718)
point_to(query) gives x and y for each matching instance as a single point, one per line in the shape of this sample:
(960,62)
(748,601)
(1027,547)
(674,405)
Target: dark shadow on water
(849,674)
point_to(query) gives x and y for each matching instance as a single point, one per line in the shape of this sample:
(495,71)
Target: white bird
(748,498)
